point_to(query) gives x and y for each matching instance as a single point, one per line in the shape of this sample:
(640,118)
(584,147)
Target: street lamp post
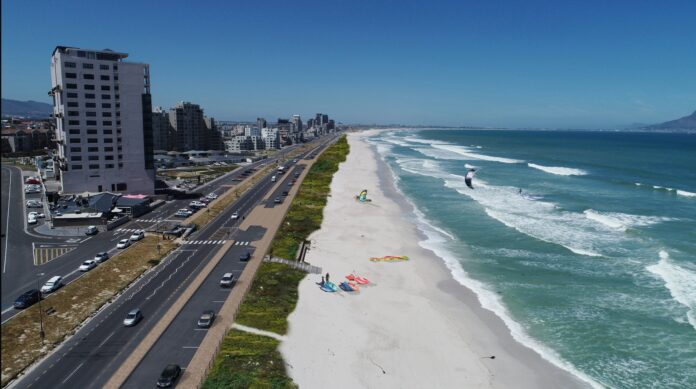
(41,333)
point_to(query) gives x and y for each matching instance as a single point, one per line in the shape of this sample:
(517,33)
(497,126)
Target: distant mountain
(685,123)
(28,109)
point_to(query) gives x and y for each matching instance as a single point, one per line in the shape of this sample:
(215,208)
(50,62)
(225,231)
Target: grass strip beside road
(248,360)
(73,304)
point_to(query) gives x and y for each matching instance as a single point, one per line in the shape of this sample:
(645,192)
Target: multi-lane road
(94,353)
(19,271)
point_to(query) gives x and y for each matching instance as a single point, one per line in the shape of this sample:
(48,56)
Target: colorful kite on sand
(362,197)
(389,258)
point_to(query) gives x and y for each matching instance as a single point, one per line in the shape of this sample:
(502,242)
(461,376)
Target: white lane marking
(105,340)
(7,226)
(73,372)
(7,310)
(169,278)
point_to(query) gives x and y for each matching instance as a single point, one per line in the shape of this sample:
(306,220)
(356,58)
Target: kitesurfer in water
(519,191)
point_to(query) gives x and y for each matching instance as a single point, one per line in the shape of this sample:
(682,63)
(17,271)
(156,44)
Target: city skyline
(538,65)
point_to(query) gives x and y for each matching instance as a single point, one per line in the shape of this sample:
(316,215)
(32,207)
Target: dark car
(245,257)
(170,374)
(297,175)
(101,257)
(277,200)
(285,193)
(27,299)
(176,231)
(206,319)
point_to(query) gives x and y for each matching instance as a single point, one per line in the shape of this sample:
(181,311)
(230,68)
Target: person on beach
(327,277)
(322,281)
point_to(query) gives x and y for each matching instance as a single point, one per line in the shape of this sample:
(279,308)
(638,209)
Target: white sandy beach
(413,326)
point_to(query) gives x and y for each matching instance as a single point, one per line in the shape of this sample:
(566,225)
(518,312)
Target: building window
(93,149)
(92,132)
(89,95)
(104,77)
(76,149)
(106,97)
(108,131)
(109,166)
(93,157)
(91,122)
(73,104)
(74,140)
(94,166)
(121,186)
(90,113)
(88,76)
(74,132)
(104,67)
(108,140)
(76,158)
(105,87)
(118,97)
(120,148)
(120,165)
(72,94)
(108,149)
(106,105)
(92,140)
(90,105)
(106,114)
(71,86)
(87,66)
(106,123)
(76,167)
(70,75)
(115,67)
(109,157)
(120,156)
(70,64)
(115,78)
(73,113)
(89,87)
(74,122)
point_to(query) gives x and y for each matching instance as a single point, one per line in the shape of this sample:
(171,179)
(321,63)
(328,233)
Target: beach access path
(413,326)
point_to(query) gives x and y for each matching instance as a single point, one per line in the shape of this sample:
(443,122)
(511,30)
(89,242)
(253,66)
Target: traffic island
(65,310)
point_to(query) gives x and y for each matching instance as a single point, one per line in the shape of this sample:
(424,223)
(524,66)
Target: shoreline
(401,332)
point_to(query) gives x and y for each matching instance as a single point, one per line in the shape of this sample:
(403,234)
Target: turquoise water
(593,264)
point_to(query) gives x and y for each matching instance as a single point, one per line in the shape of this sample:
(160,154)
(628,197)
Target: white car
(197,204)
(37,215)
(34,204)
(137,235)
(31,219)
(212,196)
(52,284)
(234,216)
(88,265)
(123,243)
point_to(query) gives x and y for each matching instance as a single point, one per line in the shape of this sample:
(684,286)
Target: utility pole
(41,333)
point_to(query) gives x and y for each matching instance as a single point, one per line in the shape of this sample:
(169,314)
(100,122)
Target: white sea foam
(467,152)
(439,154)
(466,165)
(685,193)
(396,141)
(622,221)
(638,184)
(414,139)
(680,282)
(558,170)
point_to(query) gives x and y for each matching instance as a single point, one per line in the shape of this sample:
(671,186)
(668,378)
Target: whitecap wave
(467,152)
(439,154)
(414,139)
(558,170)
(623,221)
(680,282)
(685,193)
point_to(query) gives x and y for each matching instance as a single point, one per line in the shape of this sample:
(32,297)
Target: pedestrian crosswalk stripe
(149,220)
(44,255)
(205,242)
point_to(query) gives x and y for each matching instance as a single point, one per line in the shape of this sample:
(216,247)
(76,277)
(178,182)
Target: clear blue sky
(491,63)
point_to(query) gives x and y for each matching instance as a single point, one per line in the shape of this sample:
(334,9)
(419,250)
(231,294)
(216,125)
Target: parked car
(277,200)
(212,196)
(170,374)
(27,299)
(273,179)
(91,230)
(31,219)
(36,215)
(297,174)
(206,319)
(183,213)
(234,216)
(227,280)
(204,200)
(176,231)
(34,204)
(245,257)
(52,284)
(32,189)
(132,318)
(196,204)
(123,243)
(137,235)
(290,183)
(285,193)
(101,257)
(32,181)
(88,265)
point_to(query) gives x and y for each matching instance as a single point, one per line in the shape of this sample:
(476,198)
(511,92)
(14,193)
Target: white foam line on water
(489,300)
(623,221)
(558,170)
(685,193)
(680,282)
(467,152)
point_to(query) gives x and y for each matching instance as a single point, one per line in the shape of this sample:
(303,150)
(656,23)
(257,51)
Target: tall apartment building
(162,131)
(261,123)
(192,130)
(103,112)
(296,124)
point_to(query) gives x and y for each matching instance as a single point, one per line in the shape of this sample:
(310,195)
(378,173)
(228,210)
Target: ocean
(583,242)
